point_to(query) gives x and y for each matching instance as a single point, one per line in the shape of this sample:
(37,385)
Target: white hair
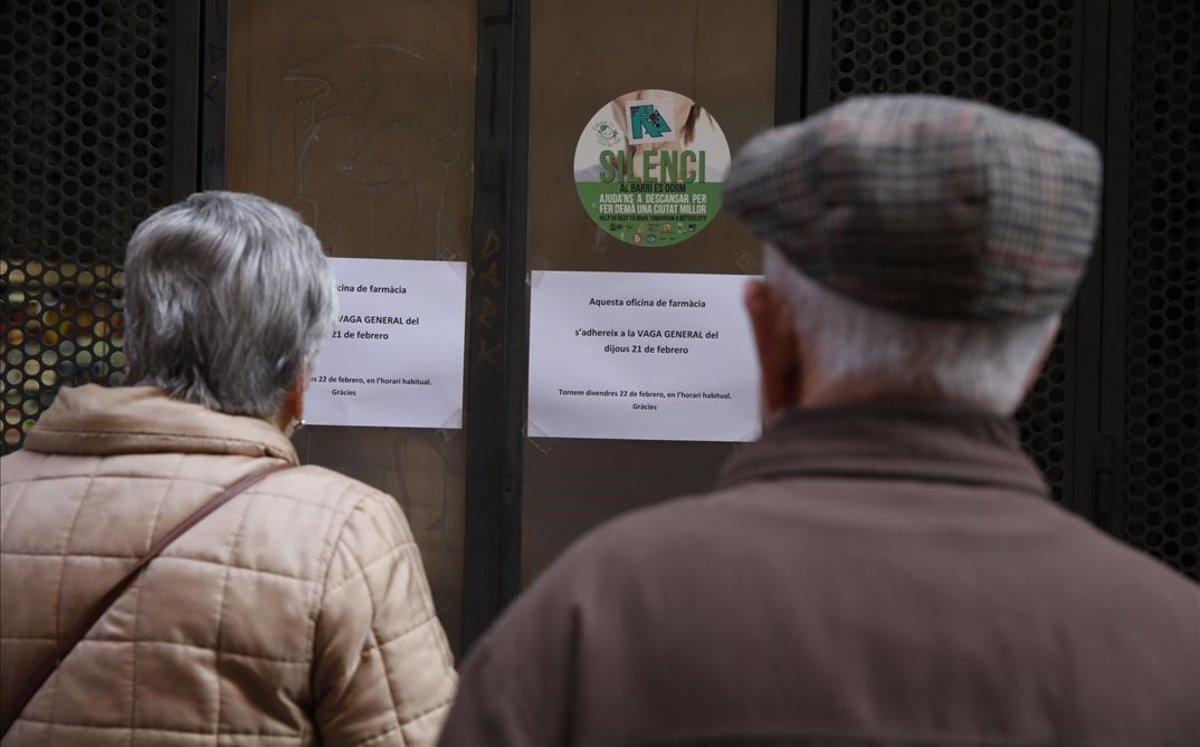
(981,362)
(227,297)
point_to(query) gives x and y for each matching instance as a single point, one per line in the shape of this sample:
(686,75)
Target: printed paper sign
(641,356)
(395,357)
(649,167)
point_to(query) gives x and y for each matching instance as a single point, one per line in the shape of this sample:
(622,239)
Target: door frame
(496,360)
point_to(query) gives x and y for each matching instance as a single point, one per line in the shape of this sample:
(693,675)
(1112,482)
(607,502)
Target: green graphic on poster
(649,167)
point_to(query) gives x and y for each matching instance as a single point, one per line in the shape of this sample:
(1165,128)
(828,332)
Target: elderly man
(885,567)
(294,613)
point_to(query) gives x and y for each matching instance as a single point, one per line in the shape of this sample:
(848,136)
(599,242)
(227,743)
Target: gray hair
(984,363)
(227,297)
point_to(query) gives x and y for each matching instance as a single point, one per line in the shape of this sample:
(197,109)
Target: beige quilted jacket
(298,613)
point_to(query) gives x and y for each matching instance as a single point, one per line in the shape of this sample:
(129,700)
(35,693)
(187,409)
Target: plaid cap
(929,206)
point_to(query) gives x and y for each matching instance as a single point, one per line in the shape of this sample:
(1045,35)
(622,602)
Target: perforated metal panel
(83,157)
(1017,54)
(1162,340)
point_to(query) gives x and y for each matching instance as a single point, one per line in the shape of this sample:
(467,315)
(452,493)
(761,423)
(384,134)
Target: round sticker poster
(649,167)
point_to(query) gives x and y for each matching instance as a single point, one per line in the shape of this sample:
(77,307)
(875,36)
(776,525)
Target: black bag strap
(68,642)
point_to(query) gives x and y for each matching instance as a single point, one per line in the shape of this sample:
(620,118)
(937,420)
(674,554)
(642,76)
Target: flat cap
(929,206)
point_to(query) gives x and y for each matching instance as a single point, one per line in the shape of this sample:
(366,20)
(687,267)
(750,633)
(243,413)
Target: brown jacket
(871,575)
(298,612)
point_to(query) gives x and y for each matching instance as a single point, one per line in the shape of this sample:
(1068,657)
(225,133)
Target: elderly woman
(296,612)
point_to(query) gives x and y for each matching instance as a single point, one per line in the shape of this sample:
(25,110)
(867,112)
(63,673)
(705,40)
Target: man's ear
(778,352)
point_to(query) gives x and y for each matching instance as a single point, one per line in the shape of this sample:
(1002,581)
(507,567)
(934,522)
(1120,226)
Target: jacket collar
(92,419)
(925,441)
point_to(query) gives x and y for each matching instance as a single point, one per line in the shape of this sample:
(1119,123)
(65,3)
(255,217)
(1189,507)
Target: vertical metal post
(213,69)
(790,78)
(1085,337)
(818,55)
(497,327)
(185,75)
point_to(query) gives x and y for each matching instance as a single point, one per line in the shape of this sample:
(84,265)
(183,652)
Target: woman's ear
(778,352)
(291,409)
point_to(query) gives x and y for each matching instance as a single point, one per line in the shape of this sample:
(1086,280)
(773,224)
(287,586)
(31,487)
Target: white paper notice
(641,356)
(395,357)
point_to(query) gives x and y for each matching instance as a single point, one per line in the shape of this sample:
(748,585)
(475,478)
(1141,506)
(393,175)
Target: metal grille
(83,156)
(1162,341)
(1017,54)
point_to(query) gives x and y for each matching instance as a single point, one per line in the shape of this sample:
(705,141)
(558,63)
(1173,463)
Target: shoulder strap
(51,662)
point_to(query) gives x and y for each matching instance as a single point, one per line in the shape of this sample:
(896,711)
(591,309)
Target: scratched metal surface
(359,115)
(584,54)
